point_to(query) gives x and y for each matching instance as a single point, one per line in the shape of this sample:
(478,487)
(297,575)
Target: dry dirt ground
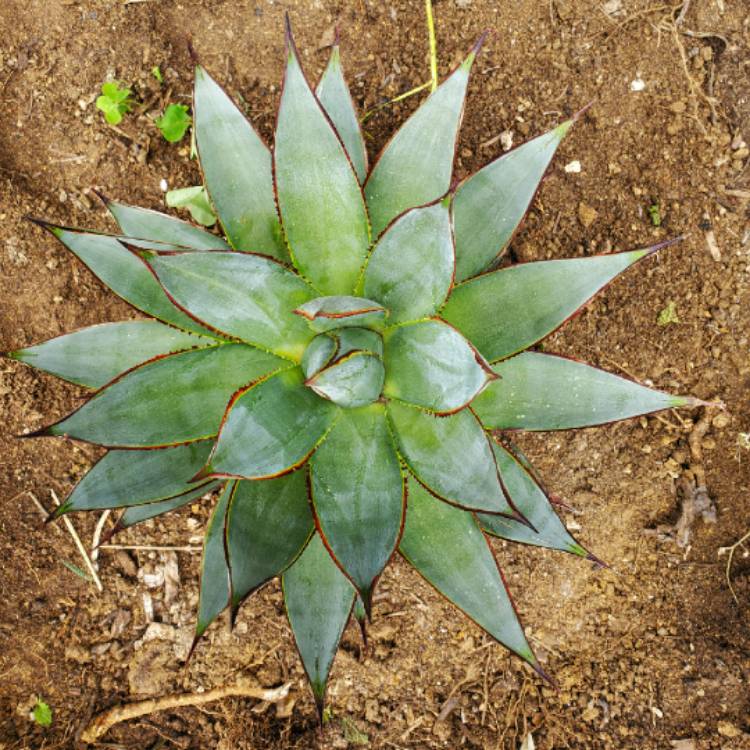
(653,653)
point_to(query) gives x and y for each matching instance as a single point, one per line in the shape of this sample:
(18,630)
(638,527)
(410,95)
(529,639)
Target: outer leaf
(429,364)
(269,523)
(138,513)
(318,600)
(236,166)
(246,296)
(95,355)
(124,478)
(124,274)
(532,501)
(153,225)
(410,270)
(545,392)
(451,456)
(506,311)
(358,495)
(178,398)
(321,202)
(447,547)
(270,428)
(491,203)
(328,313)
(214,596)
(353,380)
(334,96)
(415,167)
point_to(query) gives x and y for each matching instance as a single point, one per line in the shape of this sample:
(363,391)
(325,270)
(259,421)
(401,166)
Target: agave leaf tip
(598,563)
(582,111)
(102,197)
(663,244)
(475,50)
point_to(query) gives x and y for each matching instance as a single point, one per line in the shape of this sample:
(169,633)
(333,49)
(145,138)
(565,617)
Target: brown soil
(651,652)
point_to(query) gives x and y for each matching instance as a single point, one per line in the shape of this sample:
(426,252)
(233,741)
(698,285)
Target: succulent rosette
(341,364)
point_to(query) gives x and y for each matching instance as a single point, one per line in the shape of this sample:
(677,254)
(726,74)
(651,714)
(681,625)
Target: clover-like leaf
(545,392)
(491,203)
(320,200)
(430,364)
(446,546)
(174,123)
(271,428)
(410,270)
(531,500)
(173,399)
(334,96)
(114,101)
(246,296)
(95,355)
(506,311)
(268,524)
(318,599)
(358,495)
(236,167)
(415,167)
(451,456)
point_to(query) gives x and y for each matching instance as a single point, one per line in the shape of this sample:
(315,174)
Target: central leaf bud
(345,366)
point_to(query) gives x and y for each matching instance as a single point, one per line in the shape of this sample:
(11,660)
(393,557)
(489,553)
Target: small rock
(76,653)
(637,84)
(720,421)
(727,729)
(125,563)
(506,140)
(573,167)
(688,744)
(586,214)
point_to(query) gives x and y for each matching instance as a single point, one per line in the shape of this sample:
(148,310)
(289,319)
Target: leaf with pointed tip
(353,380)
(175,399)
(137,513)
(320,200)
(451,456)
(268,524)
(125,274)
(214,594)
(236,167)
(410,270)
(246,296)
(145,224)
(133,477)
(334,96)
(95,355)
(318,599)
(415,167)
(431,365)
(319,353)
(491,203)
(532,501)
(446,546)
(343,311)
(358,495)
(546,392)
(271,428)
(506,311)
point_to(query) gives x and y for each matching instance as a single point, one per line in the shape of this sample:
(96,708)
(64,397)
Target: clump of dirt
(651,653)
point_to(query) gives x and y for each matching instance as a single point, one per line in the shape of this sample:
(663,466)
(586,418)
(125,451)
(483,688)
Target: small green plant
(42,713)
(654,212)
(668,315)
(195,200)
(156,73)
(174,123)
(115,101)
(341,366)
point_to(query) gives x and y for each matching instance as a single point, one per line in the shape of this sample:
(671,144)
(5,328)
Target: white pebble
(163,185)
(573,167)
(637,84)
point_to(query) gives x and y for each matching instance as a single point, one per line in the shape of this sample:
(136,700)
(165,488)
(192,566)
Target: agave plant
(341,365)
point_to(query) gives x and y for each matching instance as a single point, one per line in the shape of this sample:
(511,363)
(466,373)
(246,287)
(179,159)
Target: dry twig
(104,721)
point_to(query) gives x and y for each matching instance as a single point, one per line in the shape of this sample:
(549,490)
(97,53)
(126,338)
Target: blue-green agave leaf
(538,391)
(318,599)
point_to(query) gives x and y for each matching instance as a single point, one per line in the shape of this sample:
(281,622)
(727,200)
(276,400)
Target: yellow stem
(433,44)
